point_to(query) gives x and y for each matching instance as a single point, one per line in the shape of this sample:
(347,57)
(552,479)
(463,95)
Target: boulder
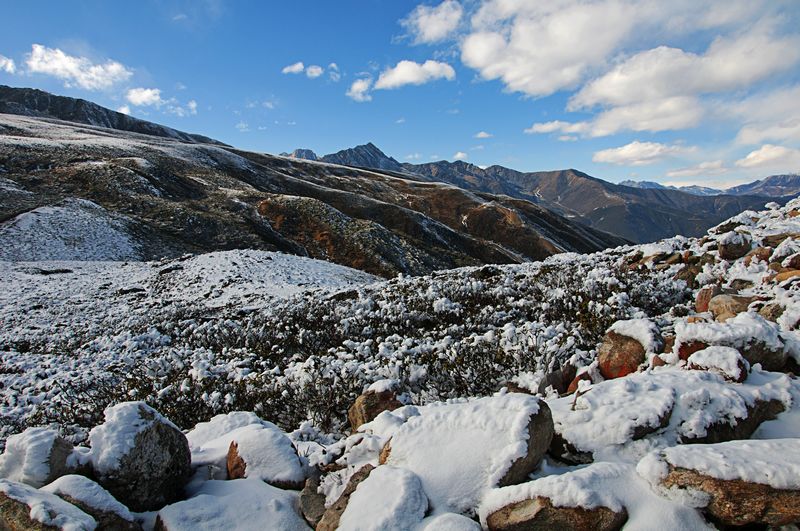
(737,483)
(704,296)
(36,457)
(368,405)
(264,452)
(330,519)
(686,349)
(777,239)
(771,311)
(759,253)
(241,504)
(582,377)
(725,361)
(389,498)
(793,262)
(540,514)
(463,448)
(23,508)
(725,429)
(619,355)
(733,245)
(724,307)
(559,379)
(312,502)
(95,501)
(140,457)
(688,274)
(786,275)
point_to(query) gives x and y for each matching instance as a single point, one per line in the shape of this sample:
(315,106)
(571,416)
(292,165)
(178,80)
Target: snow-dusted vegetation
(647,361)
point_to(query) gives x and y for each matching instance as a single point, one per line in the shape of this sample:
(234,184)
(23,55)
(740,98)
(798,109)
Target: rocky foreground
(655,388)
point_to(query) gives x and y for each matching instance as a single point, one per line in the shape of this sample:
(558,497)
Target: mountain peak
(364,156)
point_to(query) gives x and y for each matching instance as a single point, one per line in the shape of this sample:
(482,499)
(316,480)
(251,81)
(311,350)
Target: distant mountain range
(772,186)
(78,181)
(641,213)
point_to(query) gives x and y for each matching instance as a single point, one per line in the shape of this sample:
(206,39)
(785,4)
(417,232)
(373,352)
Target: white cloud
(314,71)
(773,115)
(772,156)
(460,155)
(359,90)
(243,127)
(144,96)
(483,134)
(180,16)
(714,167)
(400,121)
(557,126)
(124,109)
(728,64)
(413,156)
(411,73)
(192,105)
(295,68)
(428,24)
(7,65)
(76,71)
(567,138)
(639,153)
(333,72)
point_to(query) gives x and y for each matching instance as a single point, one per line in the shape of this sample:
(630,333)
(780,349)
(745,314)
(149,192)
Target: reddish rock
(704,296)
(736,502)
(760,253)
(573,386)
(793,262)
(786,275)
(687,349)
(619,355)
(370,405)
(771,311)
(540,513)
(669,344)
(731,249)
(559,379)
(724,307)
(658,361)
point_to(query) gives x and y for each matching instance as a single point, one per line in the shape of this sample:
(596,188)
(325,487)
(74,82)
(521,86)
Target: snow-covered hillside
(641,387)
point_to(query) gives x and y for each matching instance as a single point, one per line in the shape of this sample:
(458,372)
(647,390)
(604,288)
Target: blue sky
(680,92)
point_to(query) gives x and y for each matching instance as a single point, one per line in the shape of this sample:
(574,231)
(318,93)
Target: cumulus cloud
(124,109)
(714,167)
(427,24)
(295,68)
(483,134)
(314,71)
(144,96)
(772,156)
(75,71)
(7,65)
(333,72)
(411,73)
(770,116)
(639,153)
(557,126)
(460,155)
(192,106)
(359,90)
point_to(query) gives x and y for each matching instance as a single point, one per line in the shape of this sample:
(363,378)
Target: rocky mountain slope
(647,384)
(165,197)
(639,214)
(772,186)
(34,102)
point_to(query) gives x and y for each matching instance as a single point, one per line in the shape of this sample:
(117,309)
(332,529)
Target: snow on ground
(74,229)
(88,492)
(48,509)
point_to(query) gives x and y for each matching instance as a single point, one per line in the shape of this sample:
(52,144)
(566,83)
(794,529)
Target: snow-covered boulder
(312,501)
(737,482)
(461,448)
(725,361)
(95,501)
(264,452)
(733,245)
(36,457)
(601,496)
(378,398)
(623,419)
(139,456)
(704,296)
(242,504)
(757,339)
(448,522)
(333,514)
(24,508)
(388,499)
(726,306)
(624,347)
